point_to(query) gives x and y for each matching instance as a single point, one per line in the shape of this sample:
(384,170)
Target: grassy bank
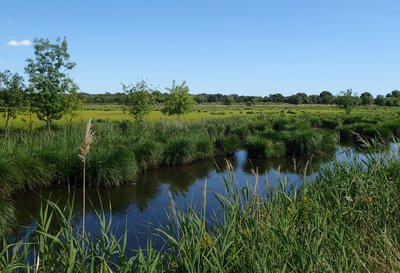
(124,149)
(346,220)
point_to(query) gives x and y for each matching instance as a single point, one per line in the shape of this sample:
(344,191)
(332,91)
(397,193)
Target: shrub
(227,145)
(111,167)
(258,147)
(308,142)
(148,154)
(179,150)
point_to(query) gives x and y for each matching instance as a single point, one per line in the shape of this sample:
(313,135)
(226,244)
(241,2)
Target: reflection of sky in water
(143,206)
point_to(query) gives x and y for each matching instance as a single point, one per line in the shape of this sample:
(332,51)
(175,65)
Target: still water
(142,206)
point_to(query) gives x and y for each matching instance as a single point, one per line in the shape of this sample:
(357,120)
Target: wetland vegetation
(340,217)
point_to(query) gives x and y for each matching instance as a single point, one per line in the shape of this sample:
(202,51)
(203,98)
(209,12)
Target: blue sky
(245,47)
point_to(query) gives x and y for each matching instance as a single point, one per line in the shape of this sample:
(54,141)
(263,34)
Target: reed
(83,152)
(344,220)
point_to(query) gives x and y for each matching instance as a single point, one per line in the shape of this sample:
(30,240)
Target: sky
(217,46)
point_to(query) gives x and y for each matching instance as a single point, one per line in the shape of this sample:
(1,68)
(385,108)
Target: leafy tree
(139,100)
(228,100)
(347,100)
(295,99)
(394,93)
(276,98)
(380,100)
(54,92)
(314,99)
(201,98)
(179,101)
(326,97)
(11,95)
(366,98)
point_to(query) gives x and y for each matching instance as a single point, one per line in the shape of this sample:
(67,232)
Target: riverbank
(122,150)
(345,220)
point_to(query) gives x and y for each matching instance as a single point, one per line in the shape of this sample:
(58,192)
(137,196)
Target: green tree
(11,95)
(295,99)
(326,97)
(179,101)
(54,91)
(380,100)
(228,100)
(139,100)
(201,98)
(366,98)
(347,100)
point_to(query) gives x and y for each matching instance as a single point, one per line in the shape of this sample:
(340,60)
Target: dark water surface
(142,206)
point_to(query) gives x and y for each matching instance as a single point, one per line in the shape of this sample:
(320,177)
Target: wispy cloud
(20,43)
(1,62)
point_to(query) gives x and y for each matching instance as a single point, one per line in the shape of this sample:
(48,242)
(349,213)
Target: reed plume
(83,151)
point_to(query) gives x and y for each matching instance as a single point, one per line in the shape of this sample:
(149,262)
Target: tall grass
(122,150)
(258,147)
(344,220)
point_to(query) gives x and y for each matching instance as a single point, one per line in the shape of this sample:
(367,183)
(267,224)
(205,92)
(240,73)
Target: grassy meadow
(115,112)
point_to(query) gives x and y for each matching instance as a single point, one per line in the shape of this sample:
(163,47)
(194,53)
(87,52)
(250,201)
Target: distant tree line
(325,97)
(51,94)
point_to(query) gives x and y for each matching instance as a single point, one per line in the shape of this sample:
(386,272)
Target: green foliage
(111,167)
(178,151)
(148,154)
(366,98)
(258,147)
(204,147)
(7,219)
(179,101)
(54,91)
(227,145)
(11,95)
(347,101)
(139,100)
(345,220)
(308,142)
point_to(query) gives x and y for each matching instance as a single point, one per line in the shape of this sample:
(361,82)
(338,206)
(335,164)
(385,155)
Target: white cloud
(1,62)
(20,43)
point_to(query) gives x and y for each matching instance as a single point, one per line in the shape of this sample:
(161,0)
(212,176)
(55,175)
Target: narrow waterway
(142,206)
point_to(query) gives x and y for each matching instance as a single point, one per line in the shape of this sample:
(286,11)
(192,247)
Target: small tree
(139,100)
(179,101)
(54,91)
(347,100)
(11,95)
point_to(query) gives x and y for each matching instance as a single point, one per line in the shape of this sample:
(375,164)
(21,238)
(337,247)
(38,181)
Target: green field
(114,112)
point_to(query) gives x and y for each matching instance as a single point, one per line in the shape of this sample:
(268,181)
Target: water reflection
(142,205)
(293,165)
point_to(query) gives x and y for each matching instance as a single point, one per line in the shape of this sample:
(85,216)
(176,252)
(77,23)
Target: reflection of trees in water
(179,179)
(296,165)
(146,188)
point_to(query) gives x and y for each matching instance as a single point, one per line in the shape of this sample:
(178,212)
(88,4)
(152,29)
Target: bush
(148,154)
(227,145)
(308,142)
(258,147)
(178,151)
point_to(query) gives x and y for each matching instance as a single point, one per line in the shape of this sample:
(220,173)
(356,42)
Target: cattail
(83,151)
